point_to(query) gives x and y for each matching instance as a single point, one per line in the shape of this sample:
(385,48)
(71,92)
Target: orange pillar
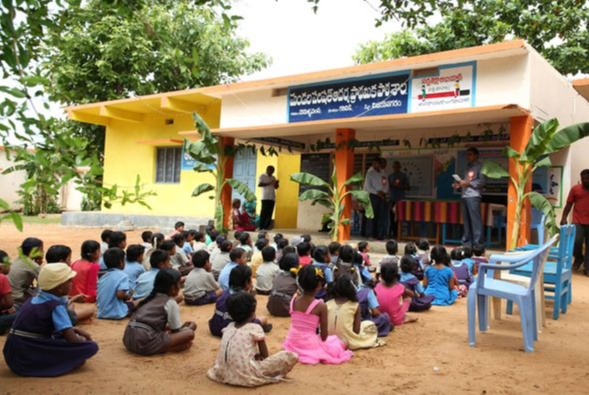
(520,133)
(344,167)
(228,172)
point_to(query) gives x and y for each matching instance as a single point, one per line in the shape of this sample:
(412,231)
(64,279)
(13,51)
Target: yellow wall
(125,159)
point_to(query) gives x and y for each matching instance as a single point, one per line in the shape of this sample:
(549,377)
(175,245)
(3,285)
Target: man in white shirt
(269,185)
(376,184)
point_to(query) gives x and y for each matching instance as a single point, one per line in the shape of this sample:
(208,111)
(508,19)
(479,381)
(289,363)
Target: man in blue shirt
(398,186)
(471,186)
(238,257)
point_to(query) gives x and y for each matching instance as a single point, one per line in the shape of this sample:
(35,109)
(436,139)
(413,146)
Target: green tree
(556,29)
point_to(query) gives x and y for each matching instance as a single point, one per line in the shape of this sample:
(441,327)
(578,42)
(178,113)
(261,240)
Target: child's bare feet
(409,319)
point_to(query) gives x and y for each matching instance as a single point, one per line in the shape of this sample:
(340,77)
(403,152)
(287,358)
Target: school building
(424,111)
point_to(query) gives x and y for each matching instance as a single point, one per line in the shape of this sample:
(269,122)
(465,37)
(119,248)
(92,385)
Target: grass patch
(49,219)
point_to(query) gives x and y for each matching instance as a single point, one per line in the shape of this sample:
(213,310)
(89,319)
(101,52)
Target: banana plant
(546,139)
(333,197)
(211,156)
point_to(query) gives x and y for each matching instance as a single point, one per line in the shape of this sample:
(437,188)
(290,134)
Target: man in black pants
(269,185)
(579,198)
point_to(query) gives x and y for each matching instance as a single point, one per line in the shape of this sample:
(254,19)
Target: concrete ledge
(128,221)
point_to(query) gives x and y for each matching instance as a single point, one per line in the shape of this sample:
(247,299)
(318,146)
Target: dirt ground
(430,356)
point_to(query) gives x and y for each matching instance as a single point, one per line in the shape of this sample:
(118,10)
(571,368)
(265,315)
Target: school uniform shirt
(144,284)
(198,245)
(59,316)
(198,283)
(173,312)
(187,248)
(109,306)
(406,277)
(579,196)
(103,247)
(219,262)
(133,270)
(265,276)
(179,259)
(23,273)
(257,260)
(224,276)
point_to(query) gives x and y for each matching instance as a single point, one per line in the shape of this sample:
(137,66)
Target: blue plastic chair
(558,273)
(486,286)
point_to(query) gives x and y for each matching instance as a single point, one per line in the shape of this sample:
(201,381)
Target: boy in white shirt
(267,272)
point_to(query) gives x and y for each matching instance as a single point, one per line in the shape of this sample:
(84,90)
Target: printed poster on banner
(453,87)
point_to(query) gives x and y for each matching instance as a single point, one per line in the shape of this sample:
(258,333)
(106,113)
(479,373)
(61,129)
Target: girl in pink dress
(308,313)
(392,296)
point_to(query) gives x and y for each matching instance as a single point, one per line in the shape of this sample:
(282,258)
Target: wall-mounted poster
(548,182)
(497,155)
(453,87)
(375,95)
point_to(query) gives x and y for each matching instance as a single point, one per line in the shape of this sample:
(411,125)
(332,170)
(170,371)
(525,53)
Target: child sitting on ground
(419,302)
(257,258)
(423,253)
(240,280)
(178,228)
(59,254)
(346,264)
(155,328)
(156,241)
(344,318)
(243,358)
(364,249)
(307,315)
(467,257)
(25,270)
(146,238)
(478,251)
(7,310)
(220,260)
(392,248)
(238,257)
(411,250)
(134,265)
(439,280)
(393,297)
(267,272)
(304,251)
(281,244)
(321,260)
(43,341)
(113,287)
(334,250)
(200,287)
(86,268)
(159,260)
(245,243)
(178,262)
(461,271)
(105,240)
(116,240)
(284,286)
(199,241)
(370,309)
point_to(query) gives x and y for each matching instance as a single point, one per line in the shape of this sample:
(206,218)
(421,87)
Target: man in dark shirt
(398,186)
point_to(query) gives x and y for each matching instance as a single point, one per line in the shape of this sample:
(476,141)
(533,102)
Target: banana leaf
(202,188)
(539,141)
(567,136)
(493,170)
(364,199)
(355,179)
(242,189)
(539,202)
(544,162)
(202,168)
(318,197)
(308,179)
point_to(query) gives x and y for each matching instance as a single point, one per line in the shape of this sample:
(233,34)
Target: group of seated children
(335,304)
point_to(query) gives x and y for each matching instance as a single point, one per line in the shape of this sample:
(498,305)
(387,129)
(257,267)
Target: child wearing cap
(42,341)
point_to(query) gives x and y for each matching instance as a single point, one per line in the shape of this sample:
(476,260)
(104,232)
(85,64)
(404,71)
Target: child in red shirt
(7,310)
(87,268)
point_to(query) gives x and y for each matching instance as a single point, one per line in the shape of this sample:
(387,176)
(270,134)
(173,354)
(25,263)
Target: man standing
(398,186)
(472,185)
(376,184)
(579,197)
(269,185)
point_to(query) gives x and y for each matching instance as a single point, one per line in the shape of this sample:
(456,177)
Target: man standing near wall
(269,185)
(377,186)
(472,185)
(579,198)
(398,186)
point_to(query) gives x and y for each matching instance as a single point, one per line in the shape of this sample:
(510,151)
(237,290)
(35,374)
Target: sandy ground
(405,365)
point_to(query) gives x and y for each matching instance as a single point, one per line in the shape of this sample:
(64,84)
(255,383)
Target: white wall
(503,81)
(253,109)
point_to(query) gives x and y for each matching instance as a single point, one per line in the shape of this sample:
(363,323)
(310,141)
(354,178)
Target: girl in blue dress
(439,280)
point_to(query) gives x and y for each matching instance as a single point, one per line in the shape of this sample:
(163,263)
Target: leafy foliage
(332,196)
(546,139)
(556,29)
